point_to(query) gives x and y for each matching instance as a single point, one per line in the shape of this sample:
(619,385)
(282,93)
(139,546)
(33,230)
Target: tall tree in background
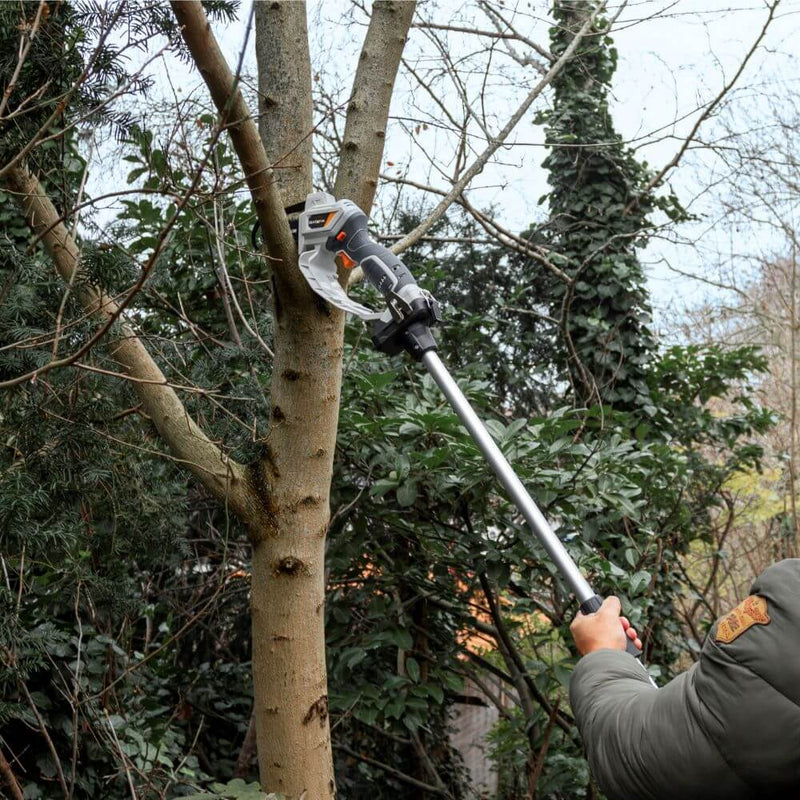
(600,207)
(283,498)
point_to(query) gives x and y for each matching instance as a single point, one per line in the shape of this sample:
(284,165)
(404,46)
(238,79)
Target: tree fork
(292,481)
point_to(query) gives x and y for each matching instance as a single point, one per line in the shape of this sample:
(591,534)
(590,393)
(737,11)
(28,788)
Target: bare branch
(368,111)
(40,136)
(495,144)
(502,235)
(395,773)
(673,162)
(26,40)
(223,477)
(502,25)
(11,779)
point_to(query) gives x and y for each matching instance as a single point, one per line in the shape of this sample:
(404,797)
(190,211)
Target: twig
(395,773)
(673,162)
(28,36)
(495,144)
(536,773)
(122,756)
(50,746)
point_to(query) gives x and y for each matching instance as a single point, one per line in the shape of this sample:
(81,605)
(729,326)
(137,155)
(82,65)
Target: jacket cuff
(600,666)
(596,673)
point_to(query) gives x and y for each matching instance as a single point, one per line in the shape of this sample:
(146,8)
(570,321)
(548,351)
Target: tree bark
(10,778)
(291,484)
(288,558)
(284,94)
(288,591)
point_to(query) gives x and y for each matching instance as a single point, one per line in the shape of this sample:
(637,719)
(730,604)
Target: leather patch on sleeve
(752,611)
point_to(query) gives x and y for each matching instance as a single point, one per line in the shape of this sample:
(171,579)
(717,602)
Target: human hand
(603,630)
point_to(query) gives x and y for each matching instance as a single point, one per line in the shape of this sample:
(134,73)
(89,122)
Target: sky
(674,57)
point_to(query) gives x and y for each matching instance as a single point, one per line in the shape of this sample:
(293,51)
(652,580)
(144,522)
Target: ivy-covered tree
(600,217)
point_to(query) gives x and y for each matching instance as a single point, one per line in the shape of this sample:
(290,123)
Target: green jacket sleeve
(645,743)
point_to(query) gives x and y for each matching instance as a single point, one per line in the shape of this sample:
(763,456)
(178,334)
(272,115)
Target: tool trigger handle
(382,268)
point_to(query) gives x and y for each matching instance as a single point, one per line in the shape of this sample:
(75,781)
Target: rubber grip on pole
(592,606)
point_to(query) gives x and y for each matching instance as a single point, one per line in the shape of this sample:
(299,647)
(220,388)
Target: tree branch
(228,99)
(673,162)
(514,660)
(368,110)
(11,779)
(495,144)
(223,477)
(395,773)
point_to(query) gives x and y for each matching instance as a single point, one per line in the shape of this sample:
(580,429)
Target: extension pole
(513,485)
(589,601)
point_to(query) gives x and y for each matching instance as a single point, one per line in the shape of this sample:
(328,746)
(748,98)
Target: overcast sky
(674,58)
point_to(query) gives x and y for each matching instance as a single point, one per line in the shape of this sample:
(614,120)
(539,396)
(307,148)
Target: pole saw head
(327,228)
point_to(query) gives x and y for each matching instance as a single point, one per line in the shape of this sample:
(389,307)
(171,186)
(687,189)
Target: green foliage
(118,575)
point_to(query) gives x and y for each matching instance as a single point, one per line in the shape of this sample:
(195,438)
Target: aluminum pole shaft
(513,485)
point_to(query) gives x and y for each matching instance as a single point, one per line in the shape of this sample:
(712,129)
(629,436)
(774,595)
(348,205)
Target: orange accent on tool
(347,262)
(340,236)
(329,219)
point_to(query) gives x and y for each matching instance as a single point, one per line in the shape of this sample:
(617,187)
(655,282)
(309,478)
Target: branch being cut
(368,111)
(246,141)
(496,143)
(222,477)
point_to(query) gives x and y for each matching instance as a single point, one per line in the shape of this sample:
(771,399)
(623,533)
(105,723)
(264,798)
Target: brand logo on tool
(752,611)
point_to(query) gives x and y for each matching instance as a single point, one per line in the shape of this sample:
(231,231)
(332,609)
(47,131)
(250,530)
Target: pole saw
(327,228)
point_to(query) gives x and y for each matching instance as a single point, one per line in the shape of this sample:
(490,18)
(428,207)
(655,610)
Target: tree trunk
(288,600)
(289,516)
(285,105)
(288,595)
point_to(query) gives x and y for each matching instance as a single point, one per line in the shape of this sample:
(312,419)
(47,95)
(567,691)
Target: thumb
(611,607)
